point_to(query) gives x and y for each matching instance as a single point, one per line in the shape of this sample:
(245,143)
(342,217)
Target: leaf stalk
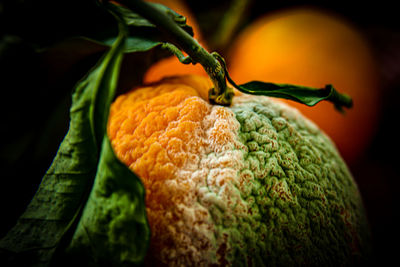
(220,94)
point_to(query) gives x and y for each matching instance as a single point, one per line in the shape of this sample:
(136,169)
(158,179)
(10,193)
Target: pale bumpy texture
(253,184)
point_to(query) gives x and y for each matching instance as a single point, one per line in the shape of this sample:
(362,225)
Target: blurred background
(354,47)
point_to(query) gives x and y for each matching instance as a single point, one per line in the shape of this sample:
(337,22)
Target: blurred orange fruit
(171,66)
(312,47)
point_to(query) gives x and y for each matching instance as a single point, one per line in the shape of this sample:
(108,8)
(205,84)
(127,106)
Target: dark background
(35,96)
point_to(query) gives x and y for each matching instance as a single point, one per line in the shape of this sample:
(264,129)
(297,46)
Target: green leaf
(113,230)
(144,35)
(57,205)
(305,95)
(133,19)
(135,43)
(302,94)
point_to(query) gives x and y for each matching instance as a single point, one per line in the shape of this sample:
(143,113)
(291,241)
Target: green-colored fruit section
(302,205)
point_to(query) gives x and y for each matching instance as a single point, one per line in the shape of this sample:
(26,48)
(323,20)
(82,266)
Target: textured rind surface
(254,184)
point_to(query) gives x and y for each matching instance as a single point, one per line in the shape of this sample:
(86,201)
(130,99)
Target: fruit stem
(220,94)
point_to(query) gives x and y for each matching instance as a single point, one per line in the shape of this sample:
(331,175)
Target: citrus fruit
(251,184)
(172,66)
(313,48)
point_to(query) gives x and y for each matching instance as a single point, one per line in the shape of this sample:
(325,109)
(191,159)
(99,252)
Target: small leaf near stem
(305,95)
(302,94)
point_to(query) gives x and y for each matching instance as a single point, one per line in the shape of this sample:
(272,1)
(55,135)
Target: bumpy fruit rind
(251,184)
